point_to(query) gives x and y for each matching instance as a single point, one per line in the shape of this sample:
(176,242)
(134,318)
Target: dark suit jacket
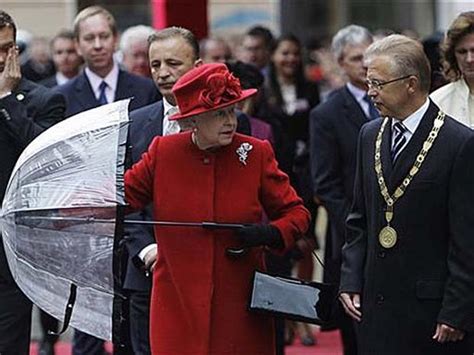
(146,123)
(334,128)
(24,114)
(80,96)
(428,276)
(49,82)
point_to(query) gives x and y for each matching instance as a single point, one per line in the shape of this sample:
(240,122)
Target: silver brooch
(243,152)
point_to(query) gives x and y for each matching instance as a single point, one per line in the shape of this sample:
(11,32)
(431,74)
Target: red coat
(200,296)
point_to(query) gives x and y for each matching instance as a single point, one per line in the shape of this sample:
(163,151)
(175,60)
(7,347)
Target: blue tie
(399,142)
(373,112)
(102,97)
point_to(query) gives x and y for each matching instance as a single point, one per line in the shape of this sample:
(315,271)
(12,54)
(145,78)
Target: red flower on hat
(220,88)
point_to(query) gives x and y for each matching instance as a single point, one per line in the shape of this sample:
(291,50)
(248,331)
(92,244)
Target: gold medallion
(388,237)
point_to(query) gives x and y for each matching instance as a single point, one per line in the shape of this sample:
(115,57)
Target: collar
(356,92)
(412,122)
(462,88)
(111,78)
(61,78)
(166,106)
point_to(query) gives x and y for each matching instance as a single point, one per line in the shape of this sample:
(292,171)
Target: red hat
(206,88)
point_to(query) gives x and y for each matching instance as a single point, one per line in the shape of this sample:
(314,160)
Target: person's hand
(444,333)
(260,235)
(11,75)
(150,258)
(351,304)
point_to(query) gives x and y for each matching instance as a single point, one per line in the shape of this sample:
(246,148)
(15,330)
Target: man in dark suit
(334,128)
(101,82)
(66,59)
(26,109)
(407,273)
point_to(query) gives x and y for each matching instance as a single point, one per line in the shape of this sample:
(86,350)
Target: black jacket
(80,96)
(334,128)
(29,110)
(428,276)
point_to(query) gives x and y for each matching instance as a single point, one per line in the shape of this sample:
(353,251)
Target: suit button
(381,254)
(380,299)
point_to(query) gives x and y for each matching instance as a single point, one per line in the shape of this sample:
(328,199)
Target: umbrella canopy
(74,169)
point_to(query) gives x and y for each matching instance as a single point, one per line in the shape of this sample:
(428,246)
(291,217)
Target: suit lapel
(155,122)
(124,86)
(353,110)
(407,156)
(85,95)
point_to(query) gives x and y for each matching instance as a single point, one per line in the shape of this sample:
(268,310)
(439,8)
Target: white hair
(349,35)
(134,33)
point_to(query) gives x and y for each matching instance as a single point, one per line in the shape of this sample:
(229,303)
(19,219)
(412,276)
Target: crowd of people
(374,127)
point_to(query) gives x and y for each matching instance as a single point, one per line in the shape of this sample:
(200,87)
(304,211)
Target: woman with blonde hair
(457,98)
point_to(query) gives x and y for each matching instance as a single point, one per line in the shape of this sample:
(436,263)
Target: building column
(190,14)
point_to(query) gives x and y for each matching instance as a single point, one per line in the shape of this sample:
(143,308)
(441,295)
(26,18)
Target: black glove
(260,235)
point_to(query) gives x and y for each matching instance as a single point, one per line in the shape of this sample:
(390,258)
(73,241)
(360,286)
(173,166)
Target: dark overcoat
(428,276)
(334,129)
(28,111)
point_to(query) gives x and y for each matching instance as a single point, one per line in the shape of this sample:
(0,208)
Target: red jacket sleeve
(280,201)
(139,179)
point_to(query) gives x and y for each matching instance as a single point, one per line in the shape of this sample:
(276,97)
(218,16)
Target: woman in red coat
(200,294)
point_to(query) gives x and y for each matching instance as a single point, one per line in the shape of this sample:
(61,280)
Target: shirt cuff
(145,250)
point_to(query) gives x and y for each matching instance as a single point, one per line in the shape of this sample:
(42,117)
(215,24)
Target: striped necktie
(399,142)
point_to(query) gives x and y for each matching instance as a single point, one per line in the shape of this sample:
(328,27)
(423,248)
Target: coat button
(380,299)
(206,160)
(381,254)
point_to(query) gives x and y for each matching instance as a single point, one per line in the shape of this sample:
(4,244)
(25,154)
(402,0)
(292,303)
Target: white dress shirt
(411,123)
(111,79)
(61,78)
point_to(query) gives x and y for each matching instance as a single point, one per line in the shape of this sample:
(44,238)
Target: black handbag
(289,298)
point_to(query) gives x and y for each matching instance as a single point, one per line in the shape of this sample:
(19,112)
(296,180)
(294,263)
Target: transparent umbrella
(70,174)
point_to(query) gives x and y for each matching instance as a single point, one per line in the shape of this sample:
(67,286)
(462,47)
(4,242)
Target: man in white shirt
(407,271)
(102,81)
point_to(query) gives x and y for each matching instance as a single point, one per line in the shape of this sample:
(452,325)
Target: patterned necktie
(399,142)
(173,126)
(373,112)
(102,98)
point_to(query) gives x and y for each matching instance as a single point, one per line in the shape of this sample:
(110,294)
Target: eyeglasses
(378,85)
